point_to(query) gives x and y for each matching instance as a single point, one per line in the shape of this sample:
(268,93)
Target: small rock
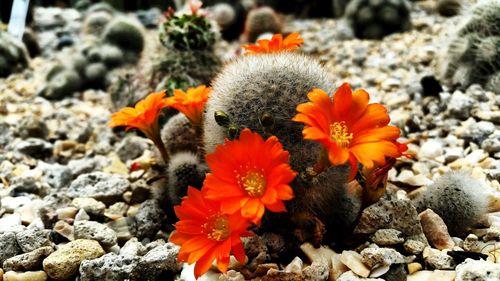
(435,230)
(95,231)
(232,275)
(131,147)
(491,144)
(81,166)
(350,276)
(427,275)
(82,216)
(387,237)
(414,247)
(440,261)
(354,262)
(64,263)
(66,213)
(414,267)
(35,148)
(477,270)
(12,204)
(116,211)
(430,150)
(8,223)
(295,265)
(460,105)
(317,271)
(374,257)
(8,244)
(104,187)
(133,248)
(56,175)
(25,184)
(122,227)
(108,267)
(25,276)
(160,259)
(32,239)
(90,205)
(149,219)
(28,261)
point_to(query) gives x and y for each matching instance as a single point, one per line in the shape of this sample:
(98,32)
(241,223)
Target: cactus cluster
(260,21)
(13,55)
(473,54)
(188,58)
(374,19)
(121,42)
(457,199)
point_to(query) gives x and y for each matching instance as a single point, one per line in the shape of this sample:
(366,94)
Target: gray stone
(63,264)
(149,219)
(460,105)
(440,261)
(122,228)
(109,267)
(317,271)
(430,149)
(12,204)
(131,147)
(479,132)
(82,166)
(414,247)
(95,231)
(82,215)
(32,239)
(8,246)
(36,148)
(477,270)
(491,144)
(32,127)
(25,184)
(133,248)
(394,214)
(28,261)
(156,261)
(57,176)
(89,205)
(101,186)
(387,237)
(374,257)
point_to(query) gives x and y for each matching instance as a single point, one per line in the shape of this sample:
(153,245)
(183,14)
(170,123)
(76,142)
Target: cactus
(374,19)
(187,32)
(230,17)
(62,84)
(473,54)
(179,135)
(125,34)
(184,169)
(13,55)
(457,198)
(111,55)
(261,20)
(95,74)
(95,22)
(260,92)
(448,8)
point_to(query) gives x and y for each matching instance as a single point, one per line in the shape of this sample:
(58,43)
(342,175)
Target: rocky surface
(70,207)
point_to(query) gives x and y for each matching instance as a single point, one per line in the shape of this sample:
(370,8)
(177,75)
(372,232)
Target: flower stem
(320,166)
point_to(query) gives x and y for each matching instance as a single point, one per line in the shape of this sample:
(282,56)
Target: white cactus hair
(273,83)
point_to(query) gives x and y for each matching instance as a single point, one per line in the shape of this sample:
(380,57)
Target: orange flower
(144,116)
(249,175)
(191,102)
(349,128)
(205,234)
(276,44)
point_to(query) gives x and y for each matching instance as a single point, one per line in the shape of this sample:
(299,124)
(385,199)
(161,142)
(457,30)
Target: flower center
(254,183)
(217,228)
(340,134)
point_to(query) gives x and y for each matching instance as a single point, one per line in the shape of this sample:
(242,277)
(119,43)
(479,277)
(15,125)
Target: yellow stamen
(340,134)
(217,228)
(254,183)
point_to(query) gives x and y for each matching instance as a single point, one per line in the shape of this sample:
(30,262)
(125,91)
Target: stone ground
(69,206)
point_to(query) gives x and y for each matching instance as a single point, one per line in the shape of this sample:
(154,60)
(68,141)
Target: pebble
(89,205)
(374,257)
(133,248)
(430,150)
(435,230)
(109,267)
(28,261)
(25,276)
(414,247)
(64,263)
(107,188)
(7,223)
(440,261)
(477,270)
(351,276)
(32,239)
(428,275)
(354,262)
(9,246)
(387,237)
(460,105)
(149,219)
(93,230)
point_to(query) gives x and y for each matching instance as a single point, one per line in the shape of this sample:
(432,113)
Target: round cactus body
(261,20)
(374,19)
(272,85)
(179,135)
(187,32)
(124,33)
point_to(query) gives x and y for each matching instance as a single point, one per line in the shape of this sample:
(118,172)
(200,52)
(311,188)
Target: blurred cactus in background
(473,54)
(374,19)
(260,21)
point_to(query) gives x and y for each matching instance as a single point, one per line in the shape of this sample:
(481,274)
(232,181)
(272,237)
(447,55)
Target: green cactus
(95,74)
(473,54)
(13,54)
(62,84)
(125,34)
(111,55)
(261,20)
(457,198)
(374,19)
(448,8)
(187,32)
(179,135)
(95,22)
(267,86)
(184,169)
